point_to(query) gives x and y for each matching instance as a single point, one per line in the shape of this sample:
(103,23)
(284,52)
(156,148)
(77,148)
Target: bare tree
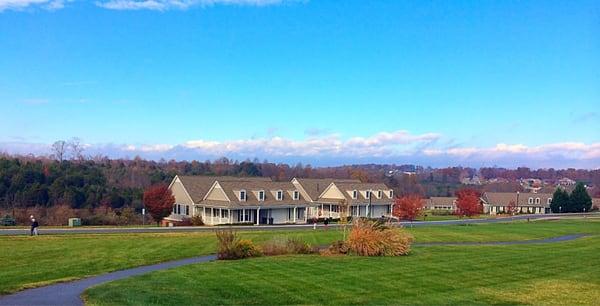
(59,150)
(76,148)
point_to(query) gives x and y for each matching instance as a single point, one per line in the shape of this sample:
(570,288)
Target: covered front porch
(335,211)
(252,215)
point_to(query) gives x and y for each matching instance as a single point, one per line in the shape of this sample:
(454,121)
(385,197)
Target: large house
(441,203)
(228,200)
(532,203)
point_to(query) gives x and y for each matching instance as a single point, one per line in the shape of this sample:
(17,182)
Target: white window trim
(243,199)
(279,194)
(530,201)
(537,201)
(379,194)
(368,194)
(262,199)
(296,195)
(354,194)
(391,194)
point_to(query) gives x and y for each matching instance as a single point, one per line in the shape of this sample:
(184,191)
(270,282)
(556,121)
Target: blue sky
(476,83)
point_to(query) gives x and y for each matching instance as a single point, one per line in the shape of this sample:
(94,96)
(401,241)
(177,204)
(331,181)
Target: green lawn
(565,273)
(33,261)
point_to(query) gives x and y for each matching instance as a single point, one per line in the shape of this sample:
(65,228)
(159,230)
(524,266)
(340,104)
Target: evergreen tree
(560,201)
(580,200)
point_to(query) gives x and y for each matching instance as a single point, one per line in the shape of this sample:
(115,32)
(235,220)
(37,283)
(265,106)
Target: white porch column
(212,216)
(204,214)
(257,216)
(294,214)
(229,214)
(243,214)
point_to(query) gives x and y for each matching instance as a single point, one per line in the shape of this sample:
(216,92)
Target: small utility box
(74,222)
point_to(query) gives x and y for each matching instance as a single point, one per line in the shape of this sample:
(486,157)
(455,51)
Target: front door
(264,216)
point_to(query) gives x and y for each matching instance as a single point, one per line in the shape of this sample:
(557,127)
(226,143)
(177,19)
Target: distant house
(533,203)
(228,200)
(441,203)
(565,181)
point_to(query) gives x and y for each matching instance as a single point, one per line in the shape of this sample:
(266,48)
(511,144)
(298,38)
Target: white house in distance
(229,200)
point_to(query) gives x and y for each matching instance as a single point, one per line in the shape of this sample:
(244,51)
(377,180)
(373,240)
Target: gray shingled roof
(314,187)
(504,198)
(198,185)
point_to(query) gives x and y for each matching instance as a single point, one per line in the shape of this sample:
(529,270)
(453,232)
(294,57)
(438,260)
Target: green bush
(231,247)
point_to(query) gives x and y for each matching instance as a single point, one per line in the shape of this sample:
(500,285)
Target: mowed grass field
(33,261)
(565,273)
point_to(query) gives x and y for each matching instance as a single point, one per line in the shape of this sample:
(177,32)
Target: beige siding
(333,193)
(217,194)
(181,197)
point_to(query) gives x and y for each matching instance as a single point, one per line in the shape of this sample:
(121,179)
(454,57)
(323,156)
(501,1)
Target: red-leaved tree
(408,207)
(468,203)
(159,201)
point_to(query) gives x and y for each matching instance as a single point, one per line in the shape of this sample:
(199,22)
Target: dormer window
(242,195)
(391,194)
(530,201)
(379,194)
(279,195)
(354,194)
(537,200)
(261,195)
(549,200)
(296,195)
(368,194)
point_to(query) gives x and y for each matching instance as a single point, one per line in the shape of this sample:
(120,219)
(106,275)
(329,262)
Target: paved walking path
(533,241)
(115,230)
(69,293)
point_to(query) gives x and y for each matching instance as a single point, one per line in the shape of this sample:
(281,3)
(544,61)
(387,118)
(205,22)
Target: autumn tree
(159,201)
(408,207)
(468,203)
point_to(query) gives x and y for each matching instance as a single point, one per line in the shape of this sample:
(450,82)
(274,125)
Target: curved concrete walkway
(69,293)
(534,241)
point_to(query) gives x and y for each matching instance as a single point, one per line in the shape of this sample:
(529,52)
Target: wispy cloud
(35,101)
(25,4)
(163,5)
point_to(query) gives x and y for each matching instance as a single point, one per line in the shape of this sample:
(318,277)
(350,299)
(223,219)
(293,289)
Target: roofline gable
(214,185)
(177,179)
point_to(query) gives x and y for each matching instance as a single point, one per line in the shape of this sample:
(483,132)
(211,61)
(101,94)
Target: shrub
(369,238)
(283,246)
(197,220)
(339,247)
(231,247)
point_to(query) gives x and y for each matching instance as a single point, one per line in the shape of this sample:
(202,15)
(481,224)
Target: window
(391,193)
(530,201)
(549,200)
(215,212)
(296,195)
(368,194)
(242,195)
(335,208)
(178,209)
(261,195)
(537,200)
(174,208)
(187,210)
(279,195)
(290,215)
(379,194)
(225,214)
(354,194)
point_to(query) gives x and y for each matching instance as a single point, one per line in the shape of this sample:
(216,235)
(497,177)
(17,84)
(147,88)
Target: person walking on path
(34,226)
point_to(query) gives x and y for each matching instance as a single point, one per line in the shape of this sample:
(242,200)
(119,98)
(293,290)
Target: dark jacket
(35,224)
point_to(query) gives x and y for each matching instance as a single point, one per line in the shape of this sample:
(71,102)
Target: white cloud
(163,5)
(24,4)
(568,150)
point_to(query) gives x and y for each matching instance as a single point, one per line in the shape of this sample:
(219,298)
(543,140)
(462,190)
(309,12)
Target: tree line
(577,201)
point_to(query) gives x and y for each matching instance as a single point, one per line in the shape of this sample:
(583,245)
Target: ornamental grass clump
(374,238)
(229,246)
(285,246)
